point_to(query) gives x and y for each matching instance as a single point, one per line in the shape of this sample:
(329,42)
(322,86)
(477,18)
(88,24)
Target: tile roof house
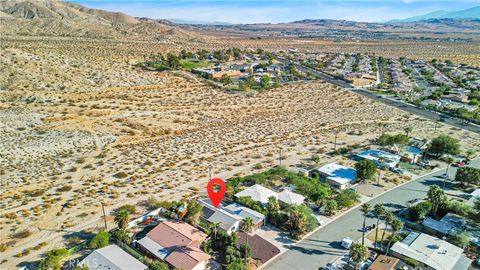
(261,194)
(111,257)
(176,243)
(431,252)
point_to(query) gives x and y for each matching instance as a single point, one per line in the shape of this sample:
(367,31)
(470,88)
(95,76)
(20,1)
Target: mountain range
(470,13)
(59,18)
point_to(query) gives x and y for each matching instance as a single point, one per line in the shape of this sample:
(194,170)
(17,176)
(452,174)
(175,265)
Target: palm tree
(379,211)
(214,227)
(247,226)
(449,161)
(436,196)
(397,225)
(388,219)
(358,254)
(366,208)
(272,206)
(122,219)
(408,130)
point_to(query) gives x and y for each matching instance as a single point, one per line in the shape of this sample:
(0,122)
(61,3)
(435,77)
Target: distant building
(111,257)
(336,175)
(433,253)
(177,243)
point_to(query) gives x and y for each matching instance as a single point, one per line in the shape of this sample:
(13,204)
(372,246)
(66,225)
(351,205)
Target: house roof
(244,212)
(290,197)
(429,250)
(338,173)
(449,224)
(383,262)
(112,258)
(226,219)
(257,193)
(187,257)
(170,234)
(156,249)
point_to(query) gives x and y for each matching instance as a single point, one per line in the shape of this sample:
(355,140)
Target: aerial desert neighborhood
(239,135)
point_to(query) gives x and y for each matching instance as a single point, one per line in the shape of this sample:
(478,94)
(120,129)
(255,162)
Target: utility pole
(104,216)
(209,172)
(335,142)
(435,127)
(280,158)
(378,179)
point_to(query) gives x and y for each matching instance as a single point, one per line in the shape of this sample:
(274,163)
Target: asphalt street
(323,246)
(435,116)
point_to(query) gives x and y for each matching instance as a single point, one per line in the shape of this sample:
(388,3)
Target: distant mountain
(59,18)
(178,21)
(470,13)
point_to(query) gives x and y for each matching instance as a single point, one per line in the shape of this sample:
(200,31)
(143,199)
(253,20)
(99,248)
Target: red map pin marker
(216,194)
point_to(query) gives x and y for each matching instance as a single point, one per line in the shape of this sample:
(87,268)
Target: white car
(347,242)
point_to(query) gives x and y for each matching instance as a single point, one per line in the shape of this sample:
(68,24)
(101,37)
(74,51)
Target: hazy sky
(276,11)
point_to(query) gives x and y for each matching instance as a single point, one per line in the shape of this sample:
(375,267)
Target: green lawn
(191,65)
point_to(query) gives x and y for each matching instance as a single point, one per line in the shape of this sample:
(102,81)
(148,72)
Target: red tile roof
(187,258)
(175,234)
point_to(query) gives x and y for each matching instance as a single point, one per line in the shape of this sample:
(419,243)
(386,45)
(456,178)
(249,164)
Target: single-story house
(230,216)
(336,175)
(111,257)
(380,158)
(228,222)
(414,150)
(243,212)
(258,193)
(433,253)
(383,262)
(177,243)
(261,194)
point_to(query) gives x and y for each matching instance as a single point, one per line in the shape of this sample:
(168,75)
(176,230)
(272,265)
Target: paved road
(397,103)
(323,246)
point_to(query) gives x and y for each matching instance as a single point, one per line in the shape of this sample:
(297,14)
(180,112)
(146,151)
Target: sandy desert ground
(81,125)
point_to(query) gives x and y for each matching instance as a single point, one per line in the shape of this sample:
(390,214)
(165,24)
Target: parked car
(459,164)
(397,170)
(347,243)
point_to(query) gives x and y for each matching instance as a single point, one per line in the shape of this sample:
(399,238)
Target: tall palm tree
(247,226)
(436,196)
(358,253)
(122,219)
(366,208)
(449,161)
(397,225)
(388,217)
(379,211)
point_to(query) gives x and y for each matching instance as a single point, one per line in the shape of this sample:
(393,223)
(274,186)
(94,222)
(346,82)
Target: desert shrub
(120,175)
(347,198)
(101,239)
(53,259)
(127,207)
(419,211)
(64,188)
(22,234)
(250,203)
